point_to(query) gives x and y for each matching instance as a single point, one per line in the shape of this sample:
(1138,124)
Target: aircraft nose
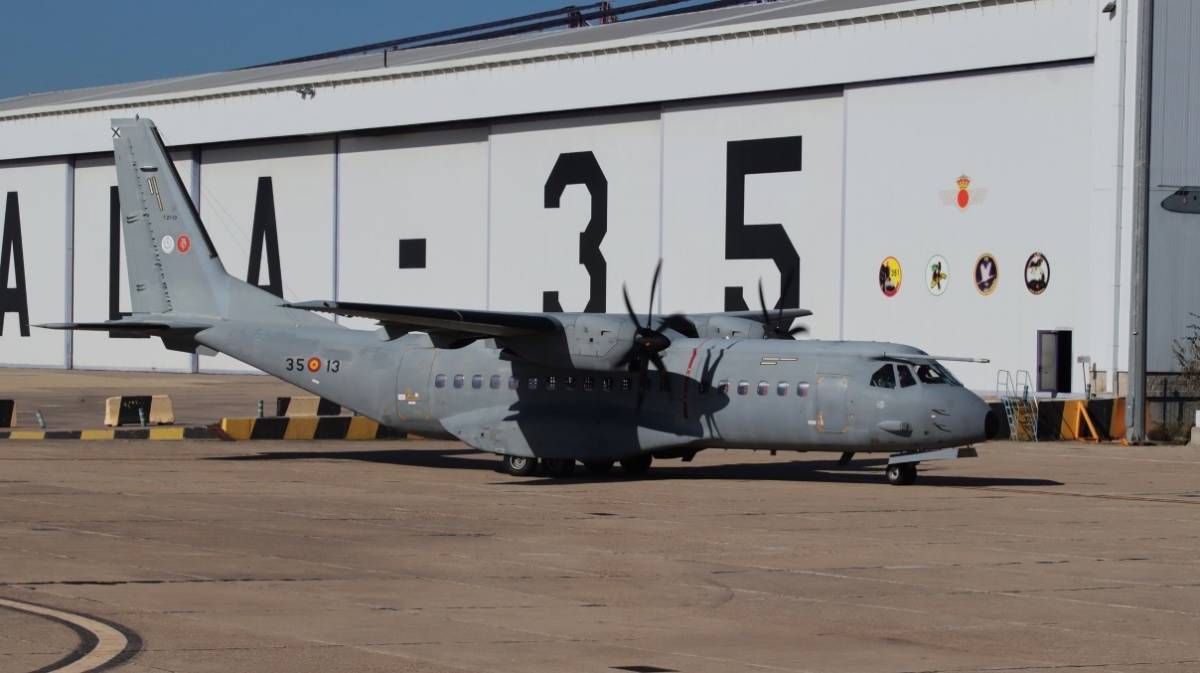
(991,425)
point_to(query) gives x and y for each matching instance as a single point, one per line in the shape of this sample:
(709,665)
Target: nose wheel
(520,466)
(902,474)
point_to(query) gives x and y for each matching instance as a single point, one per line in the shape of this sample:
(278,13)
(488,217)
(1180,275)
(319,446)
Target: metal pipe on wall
(1135,408)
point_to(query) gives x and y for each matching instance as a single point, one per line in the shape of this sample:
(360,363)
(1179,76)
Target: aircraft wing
(431,319)
(785,316)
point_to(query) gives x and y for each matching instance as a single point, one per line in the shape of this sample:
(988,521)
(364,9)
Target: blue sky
(50,45)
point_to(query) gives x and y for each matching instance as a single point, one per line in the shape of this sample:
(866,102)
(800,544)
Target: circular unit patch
(936,277)
(1037,273)
(314,364)
(890,276)
(183,243)
(987,274)
(167,244)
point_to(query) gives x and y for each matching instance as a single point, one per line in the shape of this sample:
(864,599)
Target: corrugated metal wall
(1175,163)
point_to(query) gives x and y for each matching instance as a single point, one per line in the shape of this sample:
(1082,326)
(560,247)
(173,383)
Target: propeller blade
(680,323)
(653,290)
(787,282)
(629,306)
(762,302)
(641,385)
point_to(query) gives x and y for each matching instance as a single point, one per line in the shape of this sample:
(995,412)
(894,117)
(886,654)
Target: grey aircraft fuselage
(551,386)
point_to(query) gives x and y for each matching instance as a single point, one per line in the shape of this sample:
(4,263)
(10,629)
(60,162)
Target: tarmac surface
(419,556)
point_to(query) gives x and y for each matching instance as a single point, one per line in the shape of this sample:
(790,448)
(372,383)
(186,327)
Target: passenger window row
(609,384)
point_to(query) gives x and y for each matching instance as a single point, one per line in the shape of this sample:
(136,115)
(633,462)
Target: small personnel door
(413,379)
(831,403)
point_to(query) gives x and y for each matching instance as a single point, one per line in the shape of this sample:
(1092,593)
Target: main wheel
(559,467)
(598,466)
(637,464)
(902,474)
(520,466)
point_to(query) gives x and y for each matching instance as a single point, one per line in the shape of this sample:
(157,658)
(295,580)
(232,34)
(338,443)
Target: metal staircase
(1020,407)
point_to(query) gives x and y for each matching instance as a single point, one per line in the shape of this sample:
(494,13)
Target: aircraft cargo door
(832,403)
(413,384)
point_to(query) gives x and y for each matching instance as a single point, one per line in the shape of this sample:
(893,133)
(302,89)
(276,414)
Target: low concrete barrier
(1066,420)
(306,406)
(307,427)
(176,433)
(157,410)
(8,414)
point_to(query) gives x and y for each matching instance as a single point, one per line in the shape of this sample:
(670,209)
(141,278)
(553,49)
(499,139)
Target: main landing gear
(561,468)
(902,474)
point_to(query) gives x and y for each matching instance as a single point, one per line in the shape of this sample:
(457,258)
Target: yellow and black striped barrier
(1098,419)
(307,427)
(176,433)
(306,406)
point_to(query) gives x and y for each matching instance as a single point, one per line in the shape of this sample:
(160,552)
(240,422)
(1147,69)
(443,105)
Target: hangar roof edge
(736,23)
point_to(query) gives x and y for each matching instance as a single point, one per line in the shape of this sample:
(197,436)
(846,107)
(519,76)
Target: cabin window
(884,377)
(495,382)
(763,388)
(743,387)
(532,383)
(477,381)
(459,379)
(439,381)
(551,383)
(782,389)
(723,387)
(606,384)
(514,383)
(906,376)
(802,389)
(626,384)
(569,382)
(589,384)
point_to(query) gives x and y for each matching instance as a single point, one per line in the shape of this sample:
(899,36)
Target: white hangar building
(952,175)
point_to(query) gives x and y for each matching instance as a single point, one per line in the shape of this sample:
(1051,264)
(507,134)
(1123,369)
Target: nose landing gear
(902,467)
(902,474)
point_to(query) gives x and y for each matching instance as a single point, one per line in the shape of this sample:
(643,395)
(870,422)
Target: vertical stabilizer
(173,266)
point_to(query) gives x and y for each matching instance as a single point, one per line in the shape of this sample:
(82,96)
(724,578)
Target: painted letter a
(13,299)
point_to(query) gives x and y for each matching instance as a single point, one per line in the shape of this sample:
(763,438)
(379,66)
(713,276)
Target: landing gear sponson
(901,469)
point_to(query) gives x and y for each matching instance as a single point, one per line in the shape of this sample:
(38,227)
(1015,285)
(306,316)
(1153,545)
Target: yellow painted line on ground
(110,643)
(301,427)
(97,434)
(166,433)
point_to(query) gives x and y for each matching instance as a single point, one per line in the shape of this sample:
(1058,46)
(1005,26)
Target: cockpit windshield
(934,373)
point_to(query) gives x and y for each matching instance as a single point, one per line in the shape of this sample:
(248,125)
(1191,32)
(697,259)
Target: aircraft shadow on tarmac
(865,471)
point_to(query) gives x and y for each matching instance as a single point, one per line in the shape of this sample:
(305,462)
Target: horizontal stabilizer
(133,326)
(482,323)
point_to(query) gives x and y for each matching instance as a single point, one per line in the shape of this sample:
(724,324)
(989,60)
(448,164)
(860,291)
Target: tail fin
(173,266)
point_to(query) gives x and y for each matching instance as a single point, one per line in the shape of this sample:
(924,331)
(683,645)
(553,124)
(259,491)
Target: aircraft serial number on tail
(311,364)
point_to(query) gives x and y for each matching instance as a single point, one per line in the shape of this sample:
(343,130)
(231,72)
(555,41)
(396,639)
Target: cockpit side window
(936,374)
(906,376)
(884,377)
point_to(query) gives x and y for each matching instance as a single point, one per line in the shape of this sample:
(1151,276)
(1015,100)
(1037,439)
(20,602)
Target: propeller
(648,342)
(775,329)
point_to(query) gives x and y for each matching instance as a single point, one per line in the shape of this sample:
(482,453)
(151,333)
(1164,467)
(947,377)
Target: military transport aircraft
(548,388)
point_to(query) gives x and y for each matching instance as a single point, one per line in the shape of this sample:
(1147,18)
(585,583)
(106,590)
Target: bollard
(260,408)
(41,420)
